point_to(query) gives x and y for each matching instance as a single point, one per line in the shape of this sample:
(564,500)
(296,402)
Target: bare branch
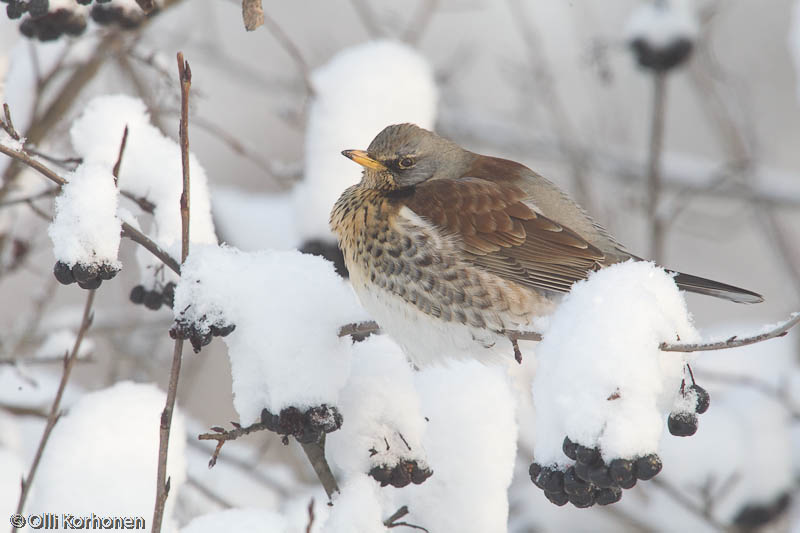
(292,49)
(222,436)
(208,493)
(420,21)
(361,329)
(367,18)
(734,342)
(656,226)
(162,482)
(8,124)
(122,144)
(25,199)
(36,361)
(310,516)
(55,409)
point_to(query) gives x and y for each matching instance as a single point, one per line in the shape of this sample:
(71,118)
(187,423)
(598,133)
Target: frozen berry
(169,294)
(137,294)
(622,471)
(661,58)
(152,300)
(82,273)
(573,484)
(607,496)
(599,476)
(582,501)
(648,466)
(554,481)
(38,8)
(418,475)
(569,448)
(401,477)
(63,273)
(703,398)
(582,471)
(15,10)
(106,272)
(682,424)
(90,284)
(534,470)
(558,498)
(587,455)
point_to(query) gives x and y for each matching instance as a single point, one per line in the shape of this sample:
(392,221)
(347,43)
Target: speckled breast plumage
(392,254)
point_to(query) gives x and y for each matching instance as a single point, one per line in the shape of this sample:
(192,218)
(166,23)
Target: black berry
(581,501)
(90,284)
(570,449)
(558,498)
(648,466)
(599,476)
(63,273)
(587,455)
(622,471)
(38,8)
(682,424)
(152,300)
(15,10)
(607,496)
(573,485)
(137,294)
(703,398)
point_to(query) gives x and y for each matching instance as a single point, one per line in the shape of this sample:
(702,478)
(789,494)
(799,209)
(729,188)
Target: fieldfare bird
(447,248)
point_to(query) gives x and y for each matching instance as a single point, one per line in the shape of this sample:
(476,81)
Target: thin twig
(127,230)
(55,409)
(37,361)
(310,516)
(69,163)
(221,436)
(162,482)
(679,497)
(292,49)
(8,124)
(367,18)
(122,144)
(208,493)
(420,21)
(655,224)
(392,521)
(32,198)
(369,327)
(734,342)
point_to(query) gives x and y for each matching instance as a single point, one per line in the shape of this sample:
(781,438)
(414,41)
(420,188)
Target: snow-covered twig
(55,413)
(162,483)
(127,230)
(122,144)
(734,342)
(361,329)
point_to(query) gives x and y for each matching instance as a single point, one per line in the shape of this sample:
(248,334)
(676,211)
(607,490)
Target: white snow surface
(61,341)
(85,227)
(603,342)
(381,411)
(287,308)
(151,166)
(471,443)
(238,520)
(662,22)
(360,91)
(102,456)
(252,221)
(357,509)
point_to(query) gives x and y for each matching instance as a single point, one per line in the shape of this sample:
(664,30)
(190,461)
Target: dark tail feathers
(708,287)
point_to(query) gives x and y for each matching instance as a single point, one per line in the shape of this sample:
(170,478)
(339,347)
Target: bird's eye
(406,162)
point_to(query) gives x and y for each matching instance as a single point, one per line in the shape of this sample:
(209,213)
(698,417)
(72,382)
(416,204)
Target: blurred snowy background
(549,83)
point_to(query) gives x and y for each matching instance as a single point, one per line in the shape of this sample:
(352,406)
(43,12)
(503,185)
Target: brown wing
(504,236)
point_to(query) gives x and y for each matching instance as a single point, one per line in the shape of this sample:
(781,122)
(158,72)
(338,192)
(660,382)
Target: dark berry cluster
(306,426)
(155,298)
(112,14)
(87,276)
(401,474)
(590,480)
(684,423)
(199,336)
(44,24)
(661,58)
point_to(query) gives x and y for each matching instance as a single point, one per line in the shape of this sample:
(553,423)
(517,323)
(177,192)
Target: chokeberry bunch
(86,275)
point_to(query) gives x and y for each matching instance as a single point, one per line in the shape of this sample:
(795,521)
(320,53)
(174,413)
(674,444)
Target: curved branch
(362,329)
(734,342)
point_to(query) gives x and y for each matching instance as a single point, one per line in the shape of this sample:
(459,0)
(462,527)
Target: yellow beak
(362,158)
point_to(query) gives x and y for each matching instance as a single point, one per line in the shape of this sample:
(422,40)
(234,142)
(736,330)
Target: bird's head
(404,155)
